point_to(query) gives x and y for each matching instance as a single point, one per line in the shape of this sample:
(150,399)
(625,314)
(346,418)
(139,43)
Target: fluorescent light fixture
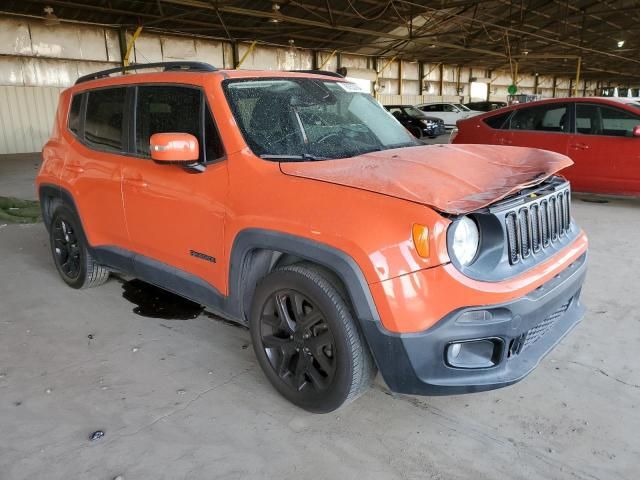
(50,18)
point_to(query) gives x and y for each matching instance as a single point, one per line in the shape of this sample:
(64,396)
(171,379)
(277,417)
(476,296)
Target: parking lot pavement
(186,398)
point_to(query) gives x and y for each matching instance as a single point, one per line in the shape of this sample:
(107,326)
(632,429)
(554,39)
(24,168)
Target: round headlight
(465,240)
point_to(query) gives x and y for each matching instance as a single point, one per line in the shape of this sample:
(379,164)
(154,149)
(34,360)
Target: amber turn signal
(420,235)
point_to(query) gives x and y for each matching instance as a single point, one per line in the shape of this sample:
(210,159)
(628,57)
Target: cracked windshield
(306,119)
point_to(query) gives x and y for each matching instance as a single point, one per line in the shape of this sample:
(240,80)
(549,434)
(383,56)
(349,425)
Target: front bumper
(525,329)
(434,130)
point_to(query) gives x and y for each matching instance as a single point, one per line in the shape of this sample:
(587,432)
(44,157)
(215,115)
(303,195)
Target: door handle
(136,182)
(75,167)
(579,146)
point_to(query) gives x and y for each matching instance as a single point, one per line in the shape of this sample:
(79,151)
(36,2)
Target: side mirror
(636,131)
(174,148)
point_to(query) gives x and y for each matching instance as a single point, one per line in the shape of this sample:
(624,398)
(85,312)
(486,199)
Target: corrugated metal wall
(37,61)
(26,117)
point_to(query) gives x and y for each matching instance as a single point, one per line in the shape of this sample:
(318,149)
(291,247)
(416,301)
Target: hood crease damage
(454,179)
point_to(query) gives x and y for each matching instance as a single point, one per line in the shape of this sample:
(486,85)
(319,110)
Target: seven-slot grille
(538,224)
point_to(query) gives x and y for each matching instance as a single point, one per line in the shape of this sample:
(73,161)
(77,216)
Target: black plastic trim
(326,73)
(161,275)
(246,242)
(415,363)
(492,263)
(167,66)
(55,192)
(338,261)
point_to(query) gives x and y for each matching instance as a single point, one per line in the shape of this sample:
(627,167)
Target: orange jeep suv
(293,203)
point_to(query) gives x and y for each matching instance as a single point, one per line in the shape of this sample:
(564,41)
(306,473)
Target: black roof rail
(326,73)
(166,66)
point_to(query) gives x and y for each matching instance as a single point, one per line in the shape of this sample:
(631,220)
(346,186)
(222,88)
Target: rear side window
(543,118)
(497,121)
(602,120)
(103,127)
(74,114)
(175,109)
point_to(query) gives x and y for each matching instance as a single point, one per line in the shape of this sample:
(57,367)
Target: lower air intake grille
(535,333)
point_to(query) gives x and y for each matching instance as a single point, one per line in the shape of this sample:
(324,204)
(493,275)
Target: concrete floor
(17,174)
(187,400)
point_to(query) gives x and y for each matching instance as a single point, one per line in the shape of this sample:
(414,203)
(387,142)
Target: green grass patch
(13,210)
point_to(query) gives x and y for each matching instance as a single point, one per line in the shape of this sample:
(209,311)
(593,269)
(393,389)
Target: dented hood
(450,178)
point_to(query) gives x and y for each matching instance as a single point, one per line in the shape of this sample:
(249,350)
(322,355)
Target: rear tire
(71,256)
(306,340)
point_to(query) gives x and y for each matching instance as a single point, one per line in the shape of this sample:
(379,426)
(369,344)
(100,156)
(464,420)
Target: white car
(450,113)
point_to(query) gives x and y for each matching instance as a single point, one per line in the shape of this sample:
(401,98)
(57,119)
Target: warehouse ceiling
(542,36)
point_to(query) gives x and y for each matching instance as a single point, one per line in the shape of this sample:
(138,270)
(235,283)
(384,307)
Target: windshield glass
(414,112)
(294,119)
(464,108)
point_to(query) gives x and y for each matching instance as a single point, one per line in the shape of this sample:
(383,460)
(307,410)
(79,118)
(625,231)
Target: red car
(600,135)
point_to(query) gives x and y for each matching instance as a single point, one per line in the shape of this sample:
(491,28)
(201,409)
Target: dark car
(485,106)
(417,122)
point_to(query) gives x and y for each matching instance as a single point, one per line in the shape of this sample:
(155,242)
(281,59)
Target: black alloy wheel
(71,255)
(298,341)
(66,248)
(306,339)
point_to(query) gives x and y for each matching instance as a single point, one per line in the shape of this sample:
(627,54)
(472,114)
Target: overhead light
(621,44)
(275,8)
(50,18)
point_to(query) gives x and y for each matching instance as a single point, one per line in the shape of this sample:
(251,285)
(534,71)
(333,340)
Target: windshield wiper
(294,158)
(403,145)
(368,150)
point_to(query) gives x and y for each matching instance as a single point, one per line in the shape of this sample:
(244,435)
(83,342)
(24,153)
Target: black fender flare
(56,192)
(385,347)
(339,262)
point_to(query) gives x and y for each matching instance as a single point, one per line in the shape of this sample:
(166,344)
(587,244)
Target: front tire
(306,340)
(416,132)
(71,256)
